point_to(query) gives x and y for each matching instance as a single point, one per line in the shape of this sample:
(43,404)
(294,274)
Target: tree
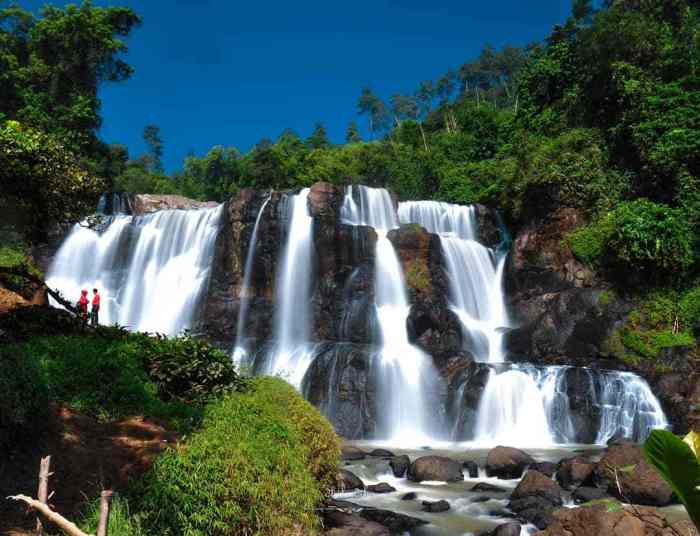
(319,137)
(375,110)
(52,67)
(352,134)
(151,135)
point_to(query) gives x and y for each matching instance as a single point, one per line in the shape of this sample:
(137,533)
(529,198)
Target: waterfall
(292,353)
(475,273)
(241,349)
(526,405)
(150,270)
(405,373)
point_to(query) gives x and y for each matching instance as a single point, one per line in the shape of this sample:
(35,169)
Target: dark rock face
(535,498)
(347,481)
(472,468)
(436,506)
(575,472)
(435,468)
(489,226)
(639,482)
(466,381)
(399,465)
(586,494)
(341,384)
(546,468)
(507,462)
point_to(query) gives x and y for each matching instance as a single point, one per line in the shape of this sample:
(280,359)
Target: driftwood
(43,492)
(103,525)
(34,279)
(57,519)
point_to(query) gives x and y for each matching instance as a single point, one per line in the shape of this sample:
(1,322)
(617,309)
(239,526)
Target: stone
(595,520)
(485,487)
(507,462)
(347,481)
(586,494)
(472,468)
(435,506)
(148,203)
(546,468)
(437,468)
(511,528)
(382,453)
(480,499)
(410,496)
(399,465)
(351,453)
(535,498)
(382,487)
(575,471)
(639,482)
(324,200)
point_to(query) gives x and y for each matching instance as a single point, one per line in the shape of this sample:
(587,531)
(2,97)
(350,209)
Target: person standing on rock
(83,307)
(95,307)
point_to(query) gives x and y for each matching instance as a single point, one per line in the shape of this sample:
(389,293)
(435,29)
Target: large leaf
(693,440)
(678,465)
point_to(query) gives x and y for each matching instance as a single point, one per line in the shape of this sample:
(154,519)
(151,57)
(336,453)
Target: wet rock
(511,528)
(147,203)
(507,462)
(347,481)
(586,494)
(640,483)
(575,472)
(472,468)
(435,468)
(343,522)
(480,499)
(325,200)
(546,468)
(466,383)
(488,226)
(395,522)
(436,506)
(382,487)
(351,453)
(535,498)
(410,496)
(399,465)
(382,453)
(485,487)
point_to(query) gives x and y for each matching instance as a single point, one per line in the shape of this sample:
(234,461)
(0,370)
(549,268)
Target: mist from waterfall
(293,352)
(475,274)
(405,373)
(150,270)
(241,350)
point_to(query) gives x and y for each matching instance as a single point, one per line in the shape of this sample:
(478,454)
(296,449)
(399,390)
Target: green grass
(122,522)
(260,465)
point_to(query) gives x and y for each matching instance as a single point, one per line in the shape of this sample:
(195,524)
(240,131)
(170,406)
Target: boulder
(535,498)
(639,482)
(435,506)
(507,462)
(511,528)
(382,487)
(586,494)
(347,481)
(435,468)
(485,487)
(546,468)
(410,496)
(575,471)
(343,524)
(382,453)
(399,465)
(351,453)
(480,499)
(472,468)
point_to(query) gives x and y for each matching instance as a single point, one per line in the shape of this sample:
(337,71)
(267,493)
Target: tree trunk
(105,500)
(422,133)
(43,491)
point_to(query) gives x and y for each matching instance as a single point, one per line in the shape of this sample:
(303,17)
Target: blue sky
(217,72)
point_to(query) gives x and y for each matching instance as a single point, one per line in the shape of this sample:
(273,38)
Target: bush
(187,369)
(121,521)
(260,464)
(23,396)
(589,243)
(689,309)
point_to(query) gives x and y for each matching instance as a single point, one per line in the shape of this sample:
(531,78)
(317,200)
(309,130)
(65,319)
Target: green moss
(260,465)
(611,505)
(418,277)
(606,297)
(588,243)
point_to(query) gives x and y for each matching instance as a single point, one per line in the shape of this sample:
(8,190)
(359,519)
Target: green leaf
(677,464)
(693,441)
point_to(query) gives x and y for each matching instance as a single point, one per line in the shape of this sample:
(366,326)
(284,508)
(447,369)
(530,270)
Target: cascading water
(241,350)
(150,270)
(475,273)
(292,353)
(406,374)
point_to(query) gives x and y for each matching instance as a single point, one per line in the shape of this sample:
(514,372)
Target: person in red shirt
(95,307)
(83,307)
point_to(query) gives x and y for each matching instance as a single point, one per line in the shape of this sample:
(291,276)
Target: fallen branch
(34,279)
(57,519)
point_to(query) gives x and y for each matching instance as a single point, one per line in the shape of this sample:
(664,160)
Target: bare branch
(57,519)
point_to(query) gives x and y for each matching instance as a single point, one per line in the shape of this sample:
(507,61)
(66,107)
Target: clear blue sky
(225,72)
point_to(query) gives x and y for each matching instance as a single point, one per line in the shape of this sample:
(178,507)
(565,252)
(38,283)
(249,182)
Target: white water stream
(150,270)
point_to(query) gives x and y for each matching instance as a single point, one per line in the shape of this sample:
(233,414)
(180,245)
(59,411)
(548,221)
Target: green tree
(352,134)
(154,142)
(372,106)
(319,138)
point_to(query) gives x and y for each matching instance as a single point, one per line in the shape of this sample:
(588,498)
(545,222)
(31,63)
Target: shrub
(188,369)
(689,309)
(588,243)
(249,470)
(121,521)
(23,396)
